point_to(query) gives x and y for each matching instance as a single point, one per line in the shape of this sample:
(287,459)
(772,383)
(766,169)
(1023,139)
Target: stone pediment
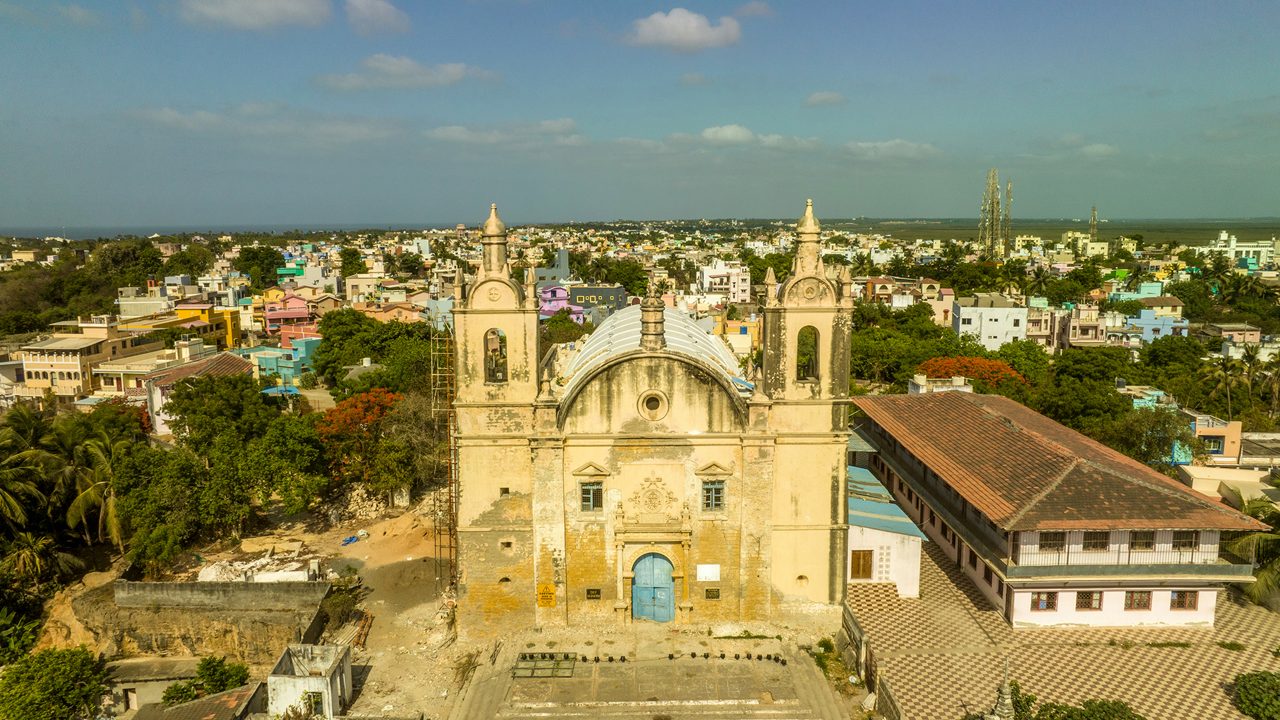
(592,470)
(713,469)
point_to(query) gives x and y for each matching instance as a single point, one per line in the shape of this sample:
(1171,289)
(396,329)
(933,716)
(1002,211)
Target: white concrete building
(730,278)
(991,318)
(884,545)
(315,678)
(1262,251)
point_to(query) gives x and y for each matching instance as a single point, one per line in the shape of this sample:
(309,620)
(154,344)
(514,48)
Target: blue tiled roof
(871,506)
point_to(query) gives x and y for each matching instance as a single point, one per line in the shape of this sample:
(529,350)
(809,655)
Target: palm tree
(1217,270)
(862,265)
(1263,548)
(1251,364)
(33,557)
(63,458)
(1221,373)
(18,479)
(97,491)
(1039,281)
(1135,279)
(29,426)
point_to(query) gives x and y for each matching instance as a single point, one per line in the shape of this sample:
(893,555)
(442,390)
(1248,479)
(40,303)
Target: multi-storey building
(1260,252)
(729,278)
(990,318)
(1052,527)
(63,364)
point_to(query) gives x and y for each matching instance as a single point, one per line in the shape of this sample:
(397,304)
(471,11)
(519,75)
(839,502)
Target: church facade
(639,474)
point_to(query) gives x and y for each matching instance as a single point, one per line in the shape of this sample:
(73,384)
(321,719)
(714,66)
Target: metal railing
(1118,555)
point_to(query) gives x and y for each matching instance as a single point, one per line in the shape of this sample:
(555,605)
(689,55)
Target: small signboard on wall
(708,573)
(547,595)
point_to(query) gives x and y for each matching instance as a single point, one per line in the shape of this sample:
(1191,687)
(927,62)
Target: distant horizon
(92,232)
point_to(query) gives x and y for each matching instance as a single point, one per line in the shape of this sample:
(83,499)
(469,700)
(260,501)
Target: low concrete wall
(220,595)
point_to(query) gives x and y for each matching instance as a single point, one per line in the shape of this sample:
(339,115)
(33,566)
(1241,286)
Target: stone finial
(770,287)
(652,328)
(495,243)
(494,225)
(808,224)
(1004,709)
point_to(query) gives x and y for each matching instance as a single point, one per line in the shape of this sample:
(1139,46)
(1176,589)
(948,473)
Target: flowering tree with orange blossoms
(987,375)
(351,431)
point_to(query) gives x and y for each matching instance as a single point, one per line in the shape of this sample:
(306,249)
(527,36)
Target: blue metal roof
(871,506)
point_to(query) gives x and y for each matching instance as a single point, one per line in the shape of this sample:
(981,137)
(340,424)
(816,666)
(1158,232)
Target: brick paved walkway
(944,653)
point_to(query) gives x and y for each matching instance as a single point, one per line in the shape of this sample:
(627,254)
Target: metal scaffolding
(444,509)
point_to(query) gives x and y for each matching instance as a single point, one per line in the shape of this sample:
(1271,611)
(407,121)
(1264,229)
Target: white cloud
(370,17)
(755,8)
(728,135)
(824,97)
(463,134)
(1098,150)
(255,14)
(693,79)
(390,71)
(560,131)
(896,149)
(77,15)
(684,31)
(272,121)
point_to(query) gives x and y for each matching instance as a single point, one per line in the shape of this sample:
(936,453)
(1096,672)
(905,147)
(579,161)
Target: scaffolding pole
(445,482)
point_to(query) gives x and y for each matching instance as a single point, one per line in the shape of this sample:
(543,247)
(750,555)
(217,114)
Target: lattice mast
(1093,227)
(990,233)
(1006,222)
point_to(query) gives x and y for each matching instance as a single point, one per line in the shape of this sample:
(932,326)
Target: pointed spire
(807,246)
(495,243)
(1004,709)
(494,225)
(769,277)
(770,287)
(652,323)
(808,223)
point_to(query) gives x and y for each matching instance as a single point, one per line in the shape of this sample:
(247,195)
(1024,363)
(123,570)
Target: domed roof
(620,333)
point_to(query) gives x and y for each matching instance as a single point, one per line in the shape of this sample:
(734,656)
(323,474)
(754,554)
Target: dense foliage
(53,685)
(213,675)
(1257,694)
(1025,707)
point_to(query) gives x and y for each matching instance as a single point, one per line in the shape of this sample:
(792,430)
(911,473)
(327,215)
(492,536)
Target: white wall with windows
(1116,547)
(879,556)
(1114,607)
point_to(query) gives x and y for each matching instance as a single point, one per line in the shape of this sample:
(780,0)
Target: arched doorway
(653,594)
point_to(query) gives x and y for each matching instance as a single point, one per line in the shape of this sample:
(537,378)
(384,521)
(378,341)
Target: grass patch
(745,635)
(1124,644)
(1169,644)
(1232,646)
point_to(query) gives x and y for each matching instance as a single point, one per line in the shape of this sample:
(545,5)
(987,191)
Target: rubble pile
(355,502)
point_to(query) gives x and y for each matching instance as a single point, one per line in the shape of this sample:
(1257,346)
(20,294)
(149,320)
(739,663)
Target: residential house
(126,377)
(554,298)
(556,273)
(1238,333)
(1052,527)
(287,364)
(284,310)
(1163,306)
(990,318)
(63,364)
(1151,326)
(610,298)
(142,681)
(239,703)
(389,311)
(884,544)
(921,384)
(1221,438)
(727,277)
(1085,327)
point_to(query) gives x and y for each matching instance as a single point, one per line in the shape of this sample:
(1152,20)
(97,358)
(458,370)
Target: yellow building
(215,325)
(636,475)
(64,362)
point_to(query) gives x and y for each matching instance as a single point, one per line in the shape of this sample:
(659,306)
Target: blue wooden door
(653,594)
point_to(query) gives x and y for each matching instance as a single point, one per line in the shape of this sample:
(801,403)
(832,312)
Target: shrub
(337,608)
(826,645)
(1232,646)
(1257,695)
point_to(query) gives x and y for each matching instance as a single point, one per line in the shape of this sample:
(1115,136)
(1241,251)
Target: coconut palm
(1039,281)
(62,457)
(1263,548)
(1135,279)
(18,481)
(1221,373)
(1250,366)
(862,265)
(97,491)
(1217,270)
(28,425)
(33,557)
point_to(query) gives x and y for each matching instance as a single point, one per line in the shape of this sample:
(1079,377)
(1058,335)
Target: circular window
(653,405)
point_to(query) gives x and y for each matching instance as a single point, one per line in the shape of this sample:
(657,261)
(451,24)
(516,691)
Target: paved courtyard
(649,684)
(943,653)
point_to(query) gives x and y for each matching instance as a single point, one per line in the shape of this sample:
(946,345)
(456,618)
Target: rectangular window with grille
(1184,600)
(713,495)
(1053,541)
(1044,601)
(1089,600)
(592,496)
(1137,600)
(1096,541)
(1142,540)
(1186,539)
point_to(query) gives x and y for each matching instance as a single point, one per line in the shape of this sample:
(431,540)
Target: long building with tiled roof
(1052,526)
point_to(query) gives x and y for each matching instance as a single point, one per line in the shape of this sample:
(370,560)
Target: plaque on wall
(593,593)
(708,573)
(547,595)
(713,593)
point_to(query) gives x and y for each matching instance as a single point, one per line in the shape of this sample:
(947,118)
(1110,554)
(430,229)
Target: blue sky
(200,112)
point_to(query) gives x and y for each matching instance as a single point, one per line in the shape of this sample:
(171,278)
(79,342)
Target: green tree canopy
(204,408)
(260,263)
(54,685)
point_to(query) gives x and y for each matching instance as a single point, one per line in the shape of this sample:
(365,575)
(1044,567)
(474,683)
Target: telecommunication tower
(994,226)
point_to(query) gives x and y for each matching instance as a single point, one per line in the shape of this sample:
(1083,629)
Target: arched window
(495,356)
(807,354)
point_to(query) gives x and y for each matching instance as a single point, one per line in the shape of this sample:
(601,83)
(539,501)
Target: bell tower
(806,324)
(495,318)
